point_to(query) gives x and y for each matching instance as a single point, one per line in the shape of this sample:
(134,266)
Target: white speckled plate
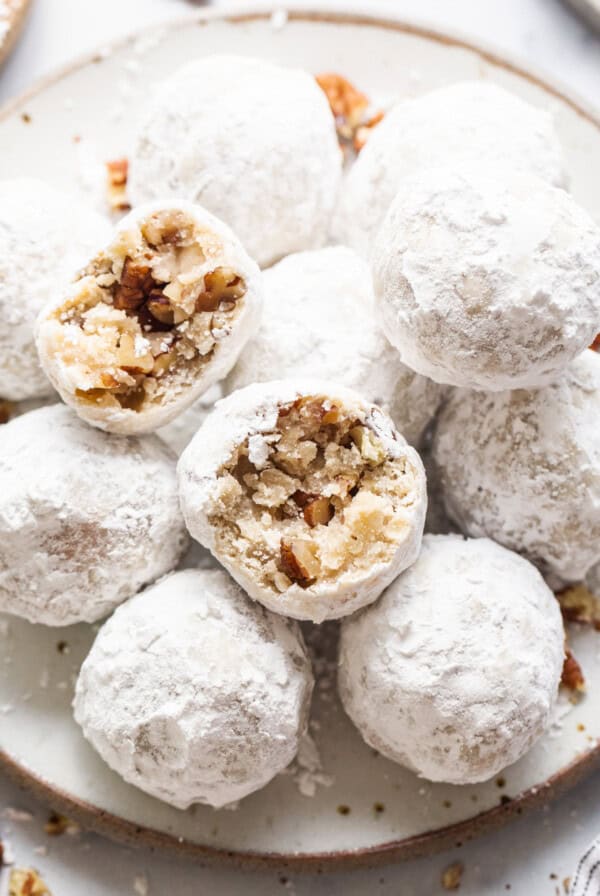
(365,808)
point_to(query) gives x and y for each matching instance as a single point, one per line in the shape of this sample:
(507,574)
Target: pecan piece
(298,561)
(136,283)
(318,512)
(117,173)
(572,675)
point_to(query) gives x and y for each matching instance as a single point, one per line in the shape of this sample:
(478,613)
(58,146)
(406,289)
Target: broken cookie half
(155,319)
(307,495)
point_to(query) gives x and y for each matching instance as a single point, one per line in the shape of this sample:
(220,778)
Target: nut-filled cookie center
(149,312)
(319,496)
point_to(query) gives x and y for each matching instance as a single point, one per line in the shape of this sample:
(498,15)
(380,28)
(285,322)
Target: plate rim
(429,842)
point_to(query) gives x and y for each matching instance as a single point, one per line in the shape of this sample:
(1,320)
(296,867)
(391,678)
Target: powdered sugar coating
(72,378)
(253,142)
(179,432)
(319,321)
(252,414)
(464,123)
(523,468)
(454,673)
(45,236)
(86,519)
(194,694)
(487,281)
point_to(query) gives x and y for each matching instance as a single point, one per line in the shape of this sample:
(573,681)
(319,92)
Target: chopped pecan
(572,675)
(346,101)
(26,882)
(595,346)
(318,512)
(298,561)
(117,173)
(135,285)
(578,604)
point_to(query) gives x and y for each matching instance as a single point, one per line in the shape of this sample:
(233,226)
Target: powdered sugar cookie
(154,320)
(454,673)
(193,693)
(307,494)
(523,468)
(45,235)
(86,519)
(253,142)
(487,281)
(471,122)
(319,321)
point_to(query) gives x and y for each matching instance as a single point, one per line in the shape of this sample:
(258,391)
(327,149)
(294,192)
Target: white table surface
(534,855)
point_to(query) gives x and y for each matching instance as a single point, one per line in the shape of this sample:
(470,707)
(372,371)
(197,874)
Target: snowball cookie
(306,494)
(487,281)
(319,320)
(194,694)
(454,673)
(86,519)
(523,468)
(471,121)
(156,318)
(45,235)
(253,142)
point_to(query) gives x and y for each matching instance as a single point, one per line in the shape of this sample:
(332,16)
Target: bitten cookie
(154,320)
(487,280)
(193,693)
(253,142)
(307,494)
(45,236)
(86,519)
(454,673)
(523,468)
(319,321)
(471,122)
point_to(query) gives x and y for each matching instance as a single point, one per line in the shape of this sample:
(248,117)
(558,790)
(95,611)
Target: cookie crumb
(452,876)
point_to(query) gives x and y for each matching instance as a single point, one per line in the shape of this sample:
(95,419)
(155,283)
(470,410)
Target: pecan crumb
(350,108)
(6,411)
(572,676)
(578,604)
(117,172)
(298,561)
(452,876)
(595,346)
(318,512)
(58,824)
(26,882)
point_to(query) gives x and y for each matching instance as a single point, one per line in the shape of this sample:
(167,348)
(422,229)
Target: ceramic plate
(344,805)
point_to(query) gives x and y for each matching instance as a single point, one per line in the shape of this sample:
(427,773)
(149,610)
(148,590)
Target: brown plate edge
(425,844)
(429,842)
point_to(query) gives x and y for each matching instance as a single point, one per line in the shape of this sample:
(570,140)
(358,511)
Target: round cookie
(523,468)
(454,673)
(45,235)
(319,321)
(253,142)
(154,320)
(458,125)
(306,494)
(488,281)
(193,693)
(86,519)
